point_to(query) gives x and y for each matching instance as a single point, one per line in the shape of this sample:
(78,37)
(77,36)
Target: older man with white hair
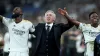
(48,36)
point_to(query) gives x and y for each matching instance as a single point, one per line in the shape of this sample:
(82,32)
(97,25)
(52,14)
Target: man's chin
(48,22)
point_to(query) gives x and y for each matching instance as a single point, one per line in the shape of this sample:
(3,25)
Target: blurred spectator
(71,46)
(80,45)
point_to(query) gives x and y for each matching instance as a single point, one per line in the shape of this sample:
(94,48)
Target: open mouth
(48,19)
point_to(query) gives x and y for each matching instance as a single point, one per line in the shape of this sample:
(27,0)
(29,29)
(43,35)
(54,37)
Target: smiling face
(50,17)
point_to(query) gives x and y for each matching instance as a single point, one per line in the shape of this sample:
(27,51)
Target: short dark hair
(92,13)
(17,10)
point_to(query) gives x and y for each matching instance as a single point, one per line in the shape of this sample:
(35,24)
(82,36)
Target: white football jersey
(89,32)
(19,33)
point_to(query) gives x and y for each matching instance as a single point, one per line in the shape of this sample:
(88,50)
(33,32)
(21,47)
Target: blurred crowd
(34,9)
(72,41)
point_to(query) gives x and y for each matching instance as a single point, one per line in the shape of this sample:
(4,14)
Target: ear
(54,19)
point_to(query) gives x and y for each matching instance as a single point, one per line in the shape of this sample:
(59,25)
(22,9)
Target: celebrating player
(18,32)
(90,31)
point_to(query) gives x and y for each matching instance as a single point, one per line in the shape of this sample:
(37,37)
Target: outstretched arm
(64,13)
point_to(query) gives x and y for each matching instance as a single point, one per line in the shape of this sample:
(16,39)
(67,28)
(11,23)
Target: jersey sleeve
(82,26)
(32,28)
(5,21)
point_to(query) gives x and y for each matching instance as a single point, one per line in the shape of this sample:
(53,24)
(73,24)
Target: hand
(62,11)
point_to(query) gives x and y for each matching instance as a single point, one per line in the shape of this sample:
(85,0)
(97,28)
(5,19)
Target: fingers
(65,10)
(62,11)
(59,10)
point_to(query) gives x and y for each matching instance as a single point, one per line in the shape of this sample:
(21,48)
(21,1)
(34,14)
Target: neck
(18,20)
(94,25)
(48,23)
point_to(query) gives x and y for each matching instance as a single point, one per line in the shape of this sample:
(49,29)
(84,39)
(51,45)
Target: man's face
(17,13)
(94,18)
(49,17)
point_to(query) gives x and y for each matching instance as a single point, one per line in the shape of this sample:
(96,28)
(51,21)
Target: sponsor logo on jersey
(92,34)
(18,32)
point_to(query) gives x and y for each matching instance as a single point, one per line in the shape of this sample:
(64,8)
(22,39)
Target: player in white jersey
(19,32)
(6,44)
(90,31)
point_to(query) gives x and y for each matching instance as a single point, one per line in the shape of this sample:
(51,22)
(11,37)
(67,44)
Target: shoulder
(59,24)
(40,24)
(84,24)
(27,22)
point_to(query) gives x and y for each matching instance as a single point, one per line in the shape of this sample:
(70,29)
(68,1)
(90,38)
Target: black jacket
(58,30)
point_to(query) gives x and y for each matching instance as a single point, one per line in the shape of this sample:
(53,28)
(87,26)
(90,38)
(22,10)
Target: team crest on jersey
(14,26)
(23,27)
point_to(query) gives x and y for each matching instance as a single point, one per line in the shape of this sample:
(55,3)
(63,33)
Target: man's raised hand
(62,11)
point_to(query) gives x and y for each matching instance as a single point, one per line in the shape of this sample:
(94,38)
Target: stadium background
(34,11)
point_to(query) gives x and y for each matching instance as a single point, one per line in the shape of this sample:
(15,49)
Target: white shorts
(12,53)
(89,50)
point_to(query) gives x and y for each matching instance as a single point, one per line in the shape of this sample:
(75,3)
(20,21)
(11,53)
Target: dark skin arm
(64,13)
(1,17)
(1,43)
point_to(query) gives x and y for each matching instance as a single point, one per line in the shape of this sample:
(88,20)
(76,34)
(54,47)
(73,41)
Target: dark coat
(58,30)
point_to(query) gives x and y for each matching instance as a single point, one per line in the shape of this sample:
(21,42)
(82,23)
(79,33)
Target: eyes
(94,16)
(49,15)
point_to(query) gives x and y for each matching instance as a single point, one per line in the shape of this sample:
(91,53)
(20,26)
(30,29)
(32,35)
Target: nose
(48,17)
(96,20)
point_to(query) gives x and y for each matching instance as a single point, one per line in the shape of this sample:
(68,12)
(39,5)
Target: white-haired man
(48,36)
